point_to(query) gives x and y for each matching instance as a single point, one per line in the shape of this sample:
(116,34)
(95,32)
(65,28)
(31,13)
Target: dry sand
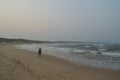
(17,64)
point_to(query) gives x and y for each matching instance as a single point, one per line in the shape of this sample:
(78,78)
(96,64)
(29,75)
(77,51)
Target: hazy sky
(77,20)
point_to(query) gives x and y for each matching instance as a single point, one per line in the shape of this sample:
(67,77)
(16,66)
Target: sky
(56,20)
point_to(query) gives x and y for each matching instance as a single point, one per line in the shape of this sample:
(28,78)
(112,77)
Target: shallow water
(78,55)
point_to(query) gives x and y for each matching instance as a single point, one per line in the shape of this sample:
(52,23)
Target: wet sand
(18,64)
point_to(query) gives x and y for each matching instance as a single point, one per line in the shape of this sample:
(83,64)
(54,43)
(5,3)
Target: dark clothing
(39,52)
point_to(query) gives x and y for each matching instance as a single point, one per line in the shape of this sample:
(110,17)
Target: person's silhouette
(39,52)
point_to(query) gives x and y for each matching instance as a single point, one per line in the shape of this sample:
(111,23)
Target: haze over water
(56,20)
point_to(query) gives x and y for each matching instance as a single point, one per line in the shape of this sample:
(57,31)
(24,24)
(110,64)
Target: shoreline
(26,65)
(93,60)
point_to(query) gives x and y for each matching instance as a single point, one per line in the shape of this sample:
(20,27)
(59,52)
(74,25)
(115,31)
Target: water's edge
(100,61)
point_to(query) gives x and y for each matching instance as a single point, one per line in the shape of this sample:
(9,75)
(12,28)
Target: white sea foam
(111,54)
(78,56)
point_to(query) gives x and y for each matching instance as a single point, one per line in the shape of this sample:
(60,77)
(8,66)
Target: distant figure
(39,52)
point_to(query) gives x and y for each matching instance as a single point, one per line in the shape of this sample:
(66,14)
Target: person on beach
(39,52)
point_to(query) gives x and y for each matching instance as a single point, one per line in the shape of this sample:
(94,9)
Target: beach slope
(17,64)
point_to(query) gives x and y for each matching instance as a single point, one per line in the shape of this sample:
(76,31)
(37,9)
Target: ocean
(102,55)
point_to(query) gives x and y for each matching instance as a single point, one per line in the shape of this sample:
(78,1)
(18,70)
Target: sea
(101,55)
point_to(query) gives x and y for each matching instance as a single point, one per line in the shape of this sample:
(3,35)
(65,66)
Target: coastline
(19,64)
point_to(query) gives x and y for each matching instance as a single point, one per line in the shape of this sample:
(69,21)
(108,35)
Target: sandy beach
(18,64)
